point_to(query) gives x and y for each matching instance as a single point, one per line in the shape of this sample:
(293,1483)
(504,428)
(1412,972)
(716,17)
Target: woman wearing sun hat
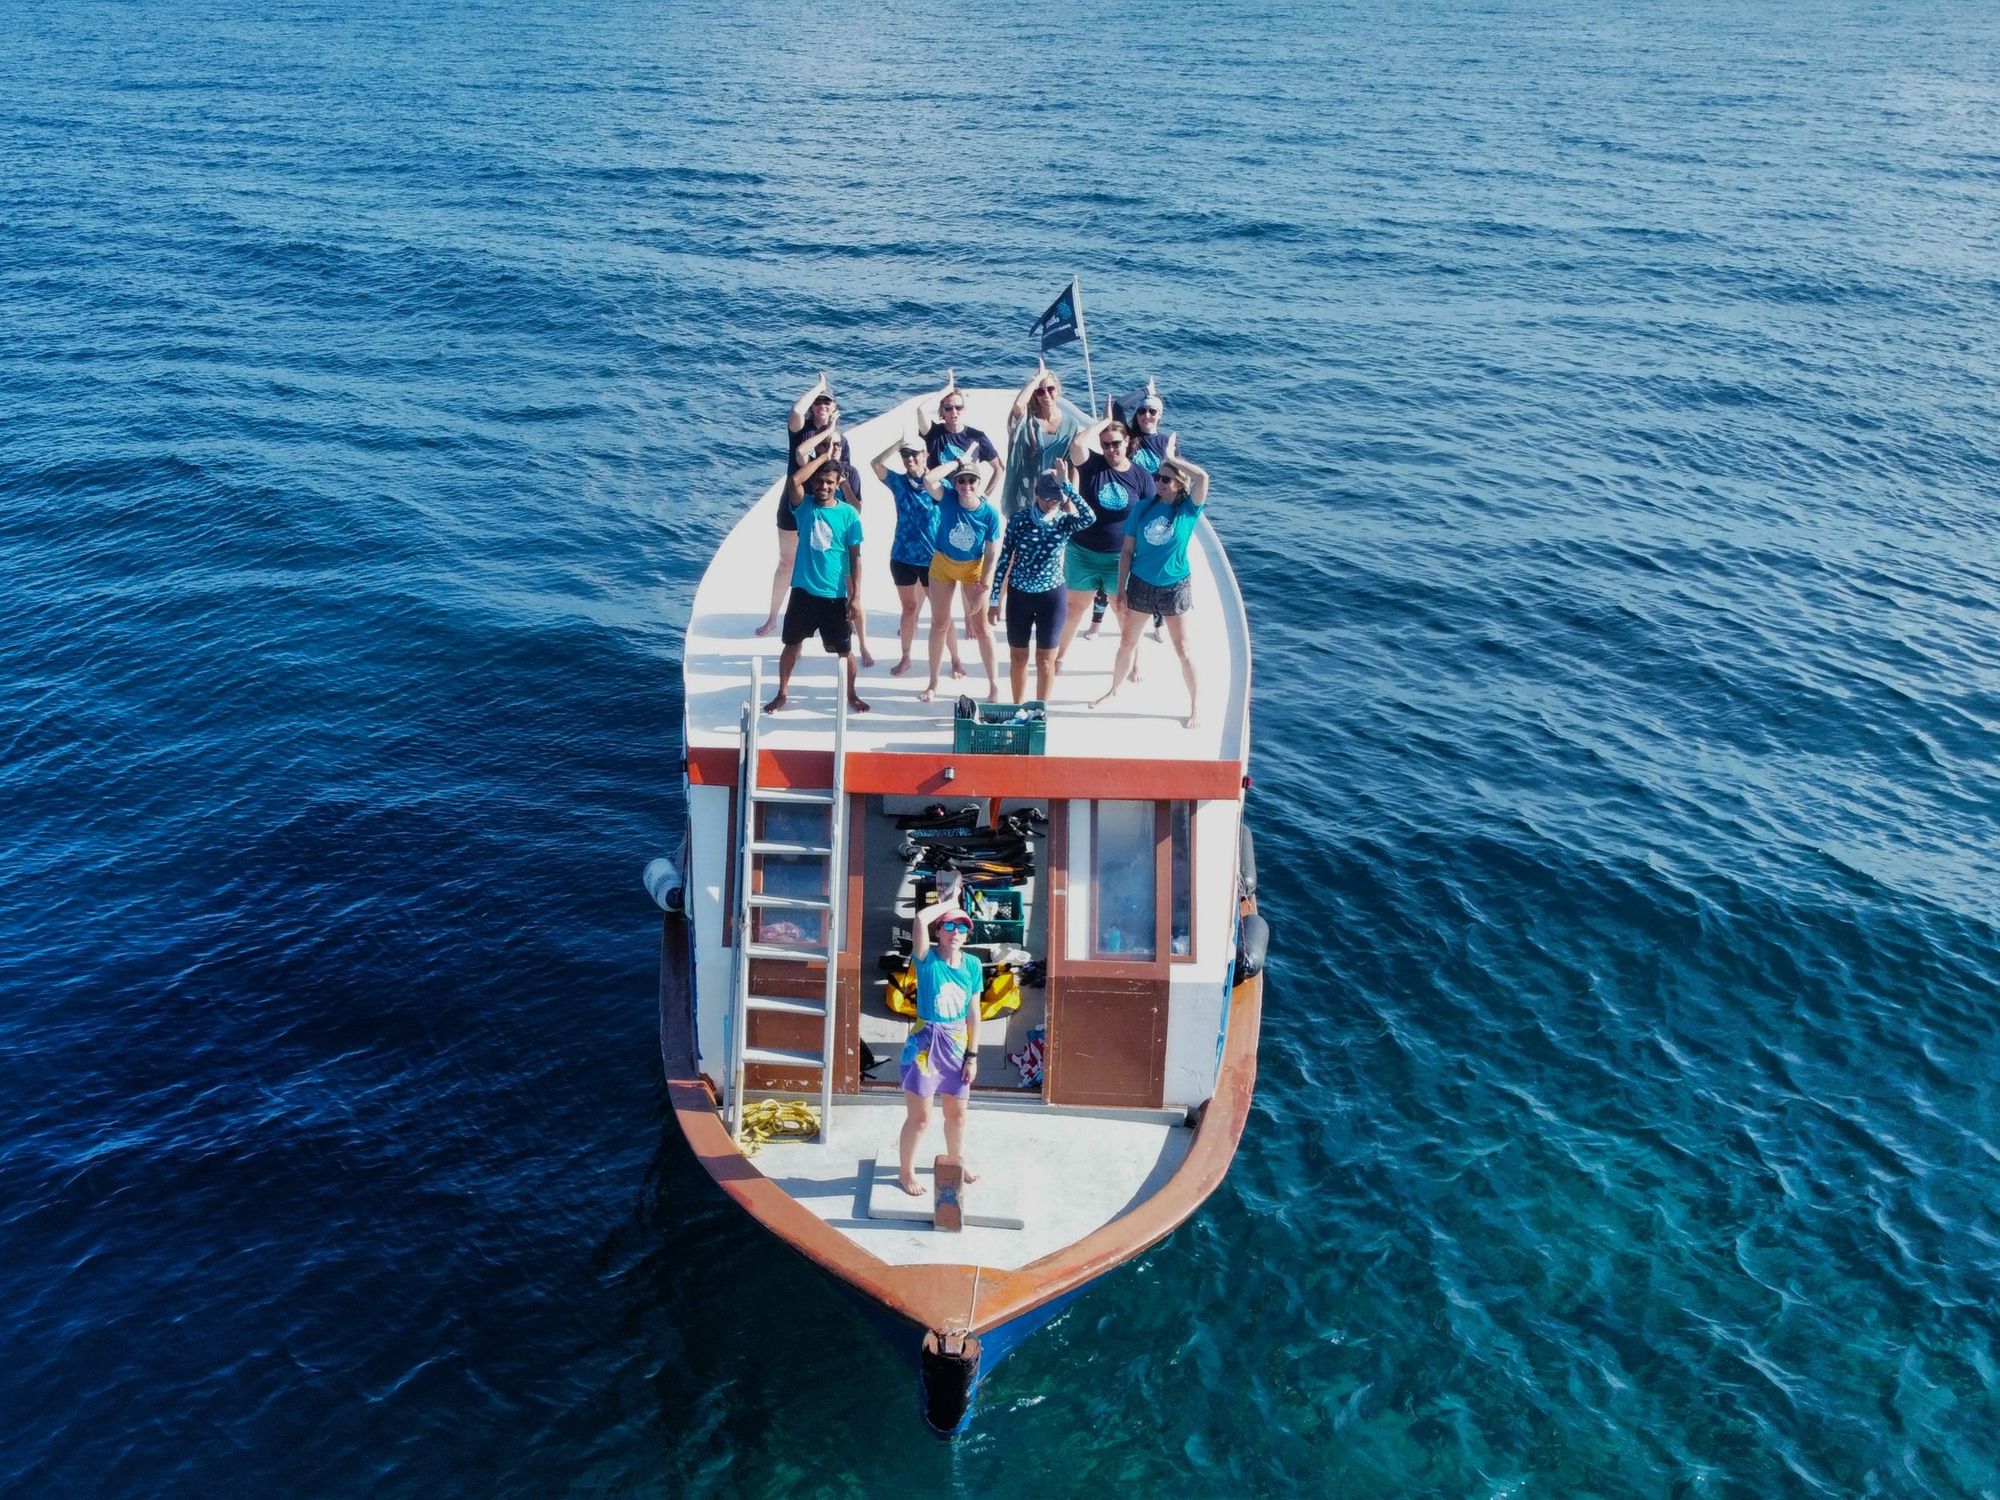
(941,1057)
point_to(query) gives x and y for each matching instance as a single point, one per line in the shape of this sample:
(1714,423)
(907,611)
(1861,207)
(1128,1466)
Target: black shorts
(1036,614)
(788,515)
(1151,599)
(808,614)
(906,574)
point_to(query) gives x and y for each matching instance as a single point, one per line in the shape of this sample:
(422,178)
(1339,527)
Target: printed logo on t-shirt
(822,535)
(1159,531)
(951,998)
(962,535)
(1113,496)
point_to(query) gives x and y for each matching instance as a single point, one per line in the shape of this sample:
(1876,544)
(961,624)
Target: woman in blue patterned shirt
(1031,571)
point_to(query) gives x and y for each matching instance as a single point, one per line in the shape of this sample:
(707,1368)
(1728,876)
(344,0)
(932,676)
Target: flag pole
(1076,287)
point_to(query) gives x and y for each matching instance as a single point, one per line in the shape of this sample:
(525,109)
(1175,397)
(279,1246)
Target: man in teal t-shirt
(826,573)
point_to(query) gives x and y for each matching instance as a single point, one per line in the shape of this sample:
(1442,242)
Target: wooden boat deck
(1143,722)
(1071,1171)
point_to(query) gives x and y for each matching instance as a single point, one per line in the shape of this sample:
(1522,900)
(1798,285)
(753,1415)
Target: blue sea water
(1602,406)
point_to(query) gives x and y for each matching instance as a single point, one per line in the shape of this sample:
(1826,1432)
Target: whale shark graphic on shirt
(962,535)
(1159,531)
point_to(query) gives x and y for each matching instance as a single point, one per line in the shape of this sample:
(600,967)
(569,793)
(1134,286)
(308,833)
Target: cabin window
(1180,866)
(1124,880)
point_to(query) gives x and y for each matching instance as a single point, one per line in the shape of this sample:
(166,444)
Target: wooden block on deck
(996,1201)
(948,1187)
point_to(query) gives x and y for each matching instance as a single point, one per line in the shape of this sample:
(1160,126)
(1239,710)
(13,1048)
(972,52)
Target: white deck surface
(1068,1172)
(1144,720)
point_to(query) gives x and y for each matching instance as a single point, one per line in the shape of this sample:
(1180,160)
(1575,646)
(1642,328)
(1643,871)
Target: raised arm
(1077,511)
(822,439)
(1197,479)
(933,401)
(804,404)
(1079,448)
(880,462)
(1027,391)
(801,475)
(920,928)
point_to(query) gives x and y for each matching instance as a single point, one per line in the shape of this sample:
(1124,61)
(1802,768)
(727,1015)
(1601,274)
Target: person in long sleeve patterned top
(1031,572)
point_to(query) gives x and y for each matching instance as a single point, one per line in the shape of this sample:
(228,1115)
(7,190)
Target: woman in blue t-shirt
(1153,571)
(941,1056)
(916,491)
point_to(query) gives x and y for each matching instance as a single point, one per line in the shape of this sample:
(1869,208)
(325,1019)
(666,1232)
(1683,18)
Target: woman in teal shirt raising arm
(1153,570)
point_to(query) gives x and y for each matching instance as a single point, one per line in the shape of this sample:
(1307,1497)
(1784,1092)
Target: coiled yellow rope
(777,1120)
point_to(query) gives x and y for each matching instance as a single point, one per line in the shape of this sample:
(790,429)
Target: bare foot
(857,705)
(1089,634)
(993,694)
(767,627)
(1095,701)
(1133,676)
(775,704)
(867,659)
(957,670)
(911,1186)
(900,668)
(1154,634)
(967,1176)
(1192,721)
(927,694)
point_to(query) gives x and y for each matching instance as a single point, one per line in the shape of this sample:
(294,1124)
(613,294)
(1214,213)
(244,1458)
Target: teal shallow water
(1602,413)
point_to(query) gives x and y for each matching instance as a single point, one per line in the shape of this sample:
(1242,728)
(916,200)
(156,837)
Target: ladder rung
(797,955)
(785,798)
(766,846)
(780,1005)
(788,903)
(782,1057)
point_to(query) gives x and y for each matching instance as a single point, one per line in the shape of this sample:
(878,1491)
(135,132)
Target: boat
(1136,905)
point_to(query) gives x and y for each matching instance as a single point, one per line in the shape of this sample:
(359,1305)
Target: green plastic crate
(1007,920)
(991,733)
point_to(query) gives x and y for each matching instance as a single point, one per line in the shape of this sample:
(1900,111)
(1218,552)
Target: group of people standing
(1077,511)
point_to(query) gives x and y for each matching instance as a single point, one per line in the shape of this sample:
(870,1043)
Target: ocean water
(1602,406)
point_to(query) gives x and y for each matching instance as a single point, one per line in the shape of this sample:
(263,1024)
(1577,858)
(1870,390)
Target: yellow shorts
(951,570)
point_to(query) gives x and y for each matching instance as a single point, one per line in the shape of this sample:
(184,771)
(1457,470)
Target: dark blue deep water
(1602,402)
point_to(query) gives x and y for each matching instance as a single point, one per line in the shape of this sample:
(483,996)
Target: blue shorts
(1031,615)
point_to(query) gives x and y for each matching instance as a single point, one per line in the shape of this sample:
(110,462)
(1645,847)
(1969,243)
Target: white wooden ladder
(751,850)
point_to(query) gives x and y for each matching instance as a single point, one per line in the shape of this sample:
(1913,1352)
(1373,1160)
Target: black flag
(1058,324)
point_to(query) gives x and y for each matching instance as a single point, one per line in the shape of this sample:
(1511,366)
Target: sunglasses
(954,927)
(965,479)
(959,407)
